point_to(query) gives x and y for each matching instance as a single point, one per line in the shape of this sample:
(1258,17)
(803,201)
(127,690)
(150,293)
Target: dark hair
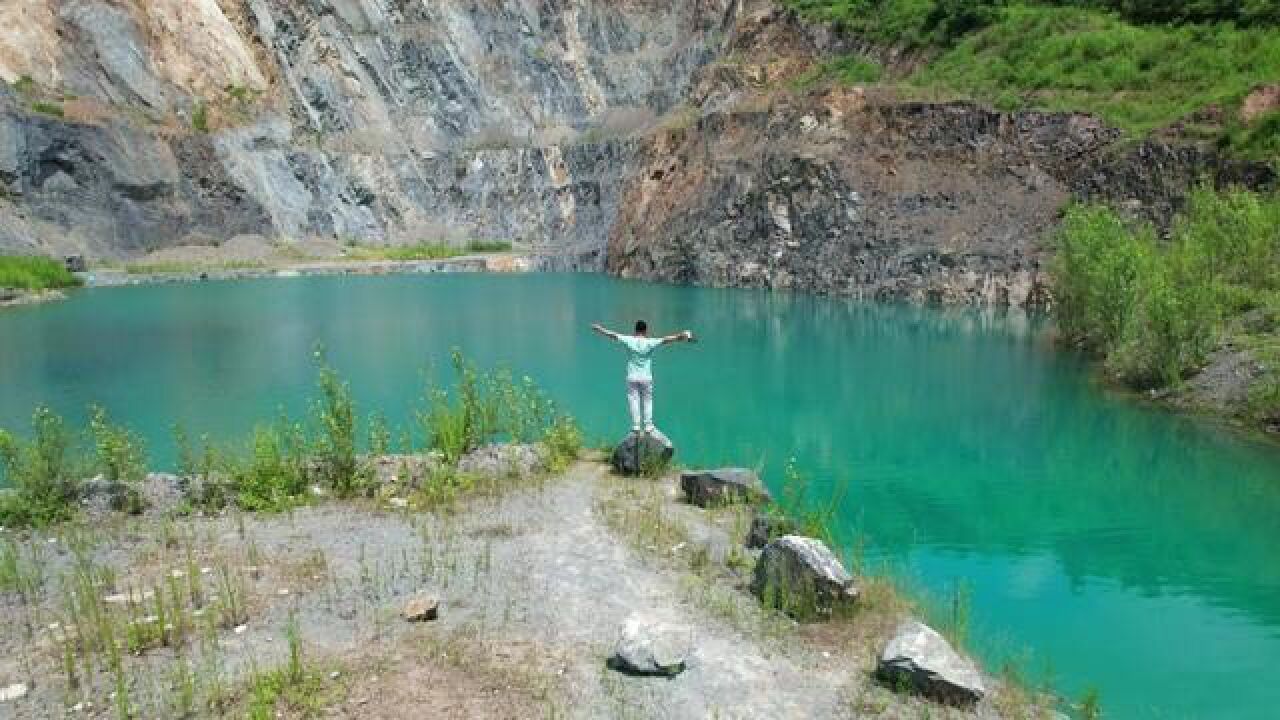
(642,327)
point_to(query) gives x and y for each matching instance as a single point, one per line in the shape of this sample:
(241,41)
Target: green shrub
(32,272)
(849,69)
(47,108)
(488,246)
(120,458)
(1155,309)
(45,480)
(200,118)
(273,478)
(334,413)
(485,407)
(563,440)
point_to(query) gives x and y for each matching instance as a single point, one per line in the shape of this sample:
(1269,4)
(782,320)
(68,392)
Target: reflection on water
(1121,546)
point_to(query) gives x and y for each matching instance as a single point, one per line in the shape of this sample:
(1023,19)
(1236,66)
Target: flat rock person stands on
(639,375)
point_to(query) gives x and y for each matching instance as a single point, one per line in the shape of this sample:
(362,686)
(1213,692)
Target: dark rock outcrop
(802,577)
(922,661)
(722,487)
(642,454)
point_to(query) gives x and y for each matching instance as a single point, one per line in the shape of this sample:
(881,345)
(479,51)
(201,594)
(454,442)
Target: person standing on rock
(639,375)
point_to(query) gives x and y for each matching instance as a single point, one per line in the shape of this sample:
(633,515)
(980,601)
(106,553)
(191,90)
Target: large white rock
(919,659)
(648,647)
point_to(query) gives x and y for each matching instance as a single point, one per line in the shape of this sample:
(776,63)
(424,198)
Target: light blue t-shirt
(640,348)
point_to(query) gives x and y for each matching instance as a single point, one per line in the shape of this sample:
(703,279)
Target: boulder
(421,608)
(802,577)
(647,647)
(504,460)
(723,487)
(921,660)
(642,453)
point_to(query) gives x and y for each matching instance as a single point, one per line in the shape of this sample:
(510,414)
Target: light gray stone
(649,647)
(421,608)
(920,659)
(504,461)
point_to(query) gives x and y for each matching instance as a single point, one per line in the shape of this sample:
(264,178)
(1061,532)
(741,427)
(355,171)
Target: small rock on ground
(16,691)
(647,647)
(422,608)
(922,660)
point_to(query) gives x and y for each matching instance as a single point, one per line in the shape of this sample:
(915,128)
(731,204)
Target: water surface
(1103,542)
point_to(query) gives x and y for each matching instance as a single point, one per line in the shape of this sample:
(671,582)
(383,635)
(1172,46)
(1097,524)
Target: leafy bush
(336,464)
(1154,309)
(120,458)
(488,246)
(273,478)
(200,118)
(31,272)
(485,407)
(563,440)
(48,108)
(44,478)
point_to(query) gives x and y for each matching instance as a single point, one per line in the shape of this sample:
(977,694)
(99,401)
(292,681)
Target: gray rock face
(842,193)
(722,487)
(802,577)
(920,659)
(342,119)
(647,647)
(504,461)
(641,453)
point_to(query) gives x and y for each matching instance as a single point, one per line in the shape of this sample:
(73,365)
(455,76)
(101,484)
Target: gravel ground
(534,587)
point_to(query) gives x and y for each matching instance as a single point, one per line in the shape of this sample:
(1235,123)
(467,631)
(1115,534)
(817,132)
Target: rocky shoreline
(540,596)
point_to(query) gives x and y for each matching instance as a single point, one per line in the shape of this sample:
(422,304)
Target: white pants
(640,401)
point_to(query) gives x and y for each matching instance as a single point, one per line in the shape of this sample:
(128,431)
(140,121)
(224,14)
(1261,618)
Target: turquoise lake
(1104,544)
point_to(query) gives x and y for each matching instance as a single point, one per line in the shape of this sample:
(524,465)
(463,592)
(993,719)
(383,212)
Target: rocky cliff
(857,192)
(130,125)
(670,141)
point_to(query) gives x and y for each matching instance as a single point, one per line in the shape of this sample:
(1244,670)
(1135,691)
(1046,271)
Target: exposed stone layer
(347,119)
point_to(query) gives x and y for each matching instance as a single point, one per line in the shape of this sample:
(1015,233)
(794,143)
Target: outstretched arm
(604,331)
(682,336)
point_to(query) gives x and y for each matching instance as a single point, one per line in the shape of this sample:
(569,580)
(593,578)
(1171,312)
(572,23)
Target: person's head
(642,327)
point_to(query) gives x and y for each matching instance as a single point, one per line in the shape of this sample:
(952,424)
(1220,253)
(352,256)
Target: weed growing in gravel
(42,473)
(120,458)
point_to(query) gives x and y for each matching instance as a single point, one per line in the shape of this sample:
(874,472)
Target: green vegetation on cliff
(1155,309)
(31,272)
(1109,58)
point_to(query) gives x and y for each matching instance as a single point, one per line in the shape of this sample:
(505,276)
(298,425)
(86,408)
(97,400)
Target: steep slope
(129,126)
(853,191)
